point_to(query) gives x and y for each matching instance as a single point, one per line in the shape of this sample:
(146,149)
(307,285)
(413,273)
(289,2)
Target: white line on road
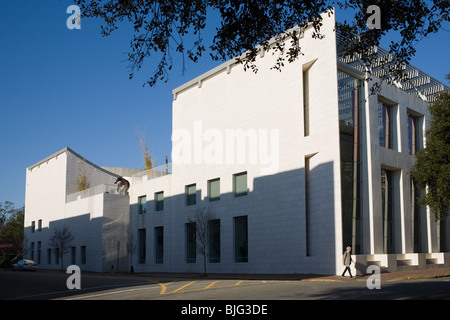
(89,296)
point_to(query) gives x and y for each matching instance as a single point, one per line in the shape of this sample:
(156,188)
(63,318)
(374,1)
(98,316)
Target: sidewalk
(432,273)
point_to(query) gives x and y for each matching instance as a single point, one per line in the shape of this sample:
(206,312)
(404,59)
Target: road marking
(107,293)
(210,285)
(239,282)
(163,286)
(181,288)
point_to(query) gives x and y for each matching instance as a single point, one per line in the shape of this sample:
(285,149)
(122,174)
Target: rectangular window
(214,190)
(142,202)
(412,135)
(33,226)
(83,254)
(40,225)
(39,244)
(49,256)
(159,245)
(191,195)
(351,99)
(214,241)
(387,210)
(240,184)
(307,204)
(159,201)
(57,255)
(73,255)
(191,245)
(306,73)
(415,134)
(142,245)
(416,216)
(32,250)
(384,125)
(240,239)
(306,102)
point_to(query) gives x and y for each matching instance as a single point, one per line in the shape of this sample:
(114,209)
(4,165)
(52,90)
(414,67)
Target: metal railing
(102,188)
(153,173)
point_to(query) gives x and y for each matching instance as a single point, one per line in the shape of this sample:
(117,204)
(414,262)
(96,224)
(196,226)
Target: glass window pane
(142,201)
(214,189)
(159,245)
(240,239)
(191,248)
(159,201)
(191,195)
(240,184)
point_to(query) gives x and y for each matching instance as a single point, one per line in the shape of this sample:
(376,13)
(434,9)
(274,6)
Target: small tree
(62,239)
(432,169)
(149,162)
(82,180)
(202,218)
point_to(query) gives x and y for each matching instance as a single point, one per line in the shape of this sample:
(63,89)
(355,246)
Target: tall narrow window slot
(159,245)
(387,210)
(141,245)
(351,95)
(214,241)
(240,239)
(191,244)
(307,204)
(306,96)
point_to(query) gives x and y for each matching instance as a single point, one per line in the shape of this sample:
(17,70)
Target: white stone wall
(97,222)
(266,107)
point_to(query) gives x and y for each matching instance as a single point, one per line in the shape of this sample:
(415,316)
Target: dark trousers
(349,272)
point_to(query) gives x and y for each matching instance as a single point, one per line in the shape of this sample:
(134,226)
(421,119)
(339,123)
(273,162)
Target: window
(159,201)
(39,225)
(306,102)
(384,125)
(351,99)
(83,254)
(306,68)
(240,184)
(73,255)
(49,256)
(159,245)
(32,250)
(307,204)
(415,141)
(416,216)
(57,255)
(387,210)
(214,190)
(141,245)
(240,239)
(191,246)
(214,241)
(33,226)
(39,245)
(191,195)
(142,202)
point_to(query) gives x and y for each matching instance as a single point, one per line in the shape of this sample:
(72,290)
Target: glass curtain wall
(351,97)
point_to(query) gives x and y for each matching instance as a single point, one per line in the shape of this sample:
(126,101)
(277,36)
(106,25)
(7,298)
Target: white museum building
(291,167)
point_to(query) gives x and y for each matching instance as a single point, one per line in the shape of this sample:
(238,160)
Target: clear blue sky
(70,88)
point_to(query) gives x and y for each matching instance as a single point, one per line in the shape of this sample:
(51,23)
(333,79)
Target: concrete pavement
(431,273)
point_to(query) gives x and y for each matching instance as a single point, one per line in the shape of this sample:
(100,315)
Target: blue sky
(70,88)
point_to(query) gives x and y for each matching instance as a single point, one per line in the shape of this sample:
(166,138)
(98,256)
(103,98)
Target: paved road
(43,285)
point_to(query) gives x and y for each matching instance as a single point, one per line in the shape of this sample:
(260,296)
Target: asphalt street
(45,285)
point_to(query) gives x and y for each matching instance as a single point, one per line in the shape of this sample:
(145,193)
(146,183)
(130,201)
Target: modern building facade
(288,168)
(97,218)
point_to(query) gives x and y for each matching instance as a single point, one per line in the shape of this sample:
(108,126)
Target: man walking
(347,261)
